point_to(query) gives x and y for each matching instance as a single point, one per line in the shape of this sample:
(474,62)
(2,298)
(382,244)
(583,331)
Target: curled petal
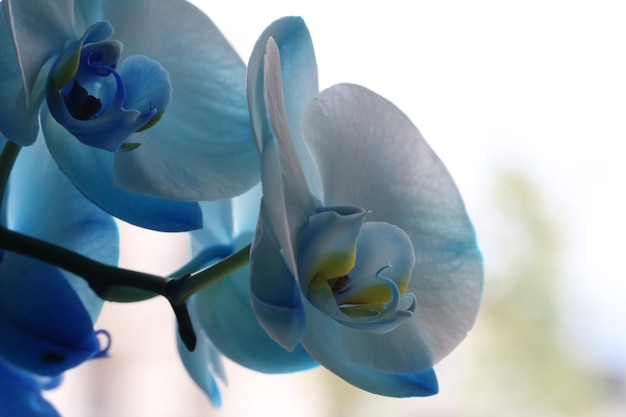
(383,252)
(327,246)
(356,272)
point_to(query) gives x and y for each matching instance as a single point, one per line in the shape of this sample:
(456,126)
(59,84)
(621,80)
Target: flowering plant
(361,255)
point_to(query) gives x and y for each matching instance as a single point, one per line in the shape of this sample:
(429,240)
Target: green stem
(99,276)
(7,159)
(185,287)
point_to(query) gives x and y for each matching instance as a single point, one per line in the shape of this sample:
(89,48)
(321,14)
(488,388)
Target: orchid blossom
(46,314)
(364,253)
(142,103)
(222,313)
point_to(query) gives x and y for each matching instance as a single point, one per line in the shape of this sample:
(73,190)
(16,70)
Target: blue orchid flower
(364,253)
(142,103)
(222,313)
(46,314)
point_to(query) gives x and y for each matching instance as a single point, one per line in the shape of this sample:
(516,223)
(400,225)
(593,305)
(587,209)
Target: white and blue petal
(412,190)
(202,148)
(287,200)
(299,83)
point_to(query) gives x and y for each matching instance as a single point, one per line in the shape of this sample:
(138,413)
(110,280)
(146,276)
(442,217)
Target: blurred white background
(525,103)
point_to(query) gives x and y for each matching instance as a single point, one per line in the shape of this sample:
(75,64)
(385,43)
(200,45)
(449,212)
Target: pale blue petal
(275,294)
(91,171)
(246,211)
(216,228)
(226,316)
(411,189)
(20,394)
(299,81)
(224,223)
(204,365)
(324,344)
(39,29)
(202,149)
(86,13)
(18,122)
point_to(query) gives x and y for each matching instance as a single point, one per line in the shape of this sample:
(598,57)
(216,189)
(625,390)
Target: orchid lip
(99,104)
(355,271)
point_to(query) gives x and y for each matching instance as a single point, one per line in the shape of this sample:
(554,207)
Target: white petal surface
(371,155)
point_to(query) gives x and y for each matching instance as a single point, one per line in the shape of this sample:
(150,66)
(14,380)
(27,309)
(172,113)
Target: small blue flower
(364,253)
(222,313)
(46,314)
(153,78)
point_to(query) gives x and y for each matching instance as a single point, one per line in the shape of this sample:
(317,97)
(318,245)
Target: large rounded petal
(202,148)
(91,171)
(226,315)
(324,344)
(20,394)
(299,84)
(412,190)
